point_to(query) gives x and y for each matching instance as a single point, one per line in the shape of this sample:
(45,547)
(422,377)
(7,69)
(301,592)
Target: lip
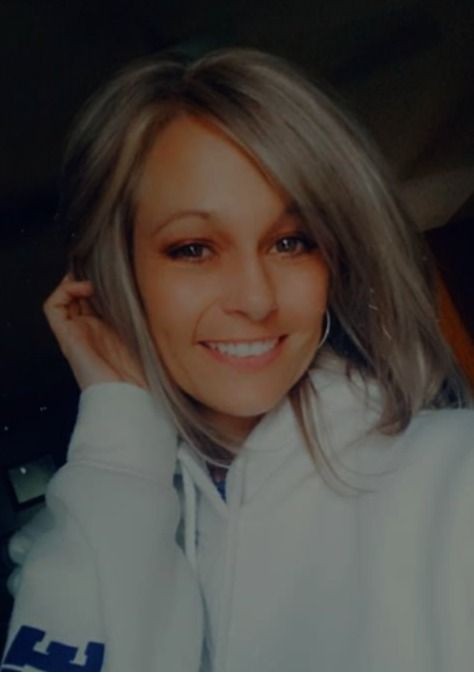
(248,363)
(244,341)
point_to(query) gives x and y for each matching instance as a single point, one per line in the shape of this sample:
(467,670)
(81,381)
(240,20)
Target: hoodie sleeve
(107,587)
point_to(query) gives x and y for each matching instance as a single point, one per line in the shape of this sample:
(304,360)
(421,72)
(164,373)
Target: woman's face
(221,258)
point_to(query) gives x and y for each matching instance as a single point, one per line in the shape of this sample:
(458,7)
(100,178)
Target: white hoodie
(130,568)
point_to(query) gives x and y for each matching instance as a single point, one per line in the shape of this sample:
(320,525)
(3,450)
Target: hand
(93,350)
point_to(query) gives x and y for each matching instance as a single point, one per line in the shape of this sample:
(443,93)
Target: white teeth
(243,350)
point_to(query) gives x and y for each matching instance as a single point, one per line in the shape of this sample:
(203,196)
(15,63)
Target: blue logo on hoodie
(57,658)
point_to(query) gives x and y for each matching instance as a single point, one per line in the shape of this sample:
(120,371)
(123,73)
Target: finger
(68,289)
(70,278)
(62,303)
(74,309)
(85,308)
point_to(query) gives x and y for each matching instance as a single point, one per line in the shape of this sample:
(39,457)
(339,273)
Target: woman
(267,471)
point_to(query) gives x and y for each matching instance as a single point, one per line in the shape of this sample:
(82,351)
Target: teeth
(243,350)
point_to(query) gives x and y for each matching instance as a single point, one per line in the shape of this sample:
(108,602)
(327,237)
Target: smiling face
(221,256)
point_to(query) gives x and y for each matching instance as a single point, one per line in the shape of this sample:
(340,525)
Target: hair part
(381,299)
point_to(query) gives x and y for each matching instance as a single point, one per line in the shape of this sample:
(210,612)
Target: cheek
(172,308)
(306,292)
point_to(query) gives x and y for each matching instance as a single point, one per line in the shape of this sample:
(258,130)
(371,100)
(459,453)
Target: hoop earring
(327,329)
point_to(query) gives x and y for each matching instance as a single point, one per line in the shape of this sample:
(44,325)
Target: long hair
(383,317)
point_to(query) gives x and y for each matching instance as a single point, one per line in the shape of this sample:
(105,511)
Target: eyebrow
(291,209)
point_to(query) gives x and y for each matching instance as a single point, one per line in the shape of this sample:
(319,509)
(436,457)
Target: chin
(245,408)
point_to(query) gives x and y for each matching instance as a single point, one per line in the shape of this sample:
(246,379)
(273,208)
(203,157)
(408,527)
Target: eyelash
(178,253)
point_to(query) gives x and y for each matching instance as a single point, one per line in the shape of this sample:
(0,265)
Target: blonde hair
(382,308)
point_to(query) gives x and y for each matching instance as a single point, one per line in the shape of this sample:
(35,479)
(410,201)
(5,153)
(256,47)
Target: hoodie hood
(274,457)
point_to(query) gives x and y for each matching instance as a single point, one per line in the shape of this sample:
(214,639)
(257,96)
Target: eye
(186,252)
(193,251)
(303,240)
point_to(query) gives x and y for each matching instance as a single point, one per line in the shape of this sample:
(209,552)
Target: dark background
(403,67)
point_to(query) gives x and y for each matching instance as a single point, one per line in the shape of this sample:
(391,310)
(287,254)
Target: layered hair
(383,313)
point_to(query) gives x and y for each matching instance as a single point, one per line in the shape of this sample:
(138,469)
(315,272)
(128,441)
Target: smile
(244,349)
(245,356)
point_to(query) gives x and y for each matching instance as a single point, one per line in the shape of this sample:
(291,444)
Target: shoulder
(348,409)
(338,391)
(448,427)
(439,449)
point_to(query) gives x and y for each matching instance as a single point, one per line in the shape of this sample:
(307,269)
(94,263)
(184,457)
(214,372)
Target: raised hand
(93,350)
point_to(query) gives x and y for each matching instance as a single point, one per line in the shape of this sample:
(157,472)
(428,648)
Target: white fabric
(287,574)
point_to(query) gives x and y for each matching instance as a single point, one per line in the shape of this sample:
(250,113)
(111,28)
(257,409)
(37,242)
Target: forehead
(193,164)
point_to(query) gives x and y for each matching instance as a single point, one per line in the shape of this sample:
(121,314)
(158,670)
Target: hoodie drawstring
(190,509)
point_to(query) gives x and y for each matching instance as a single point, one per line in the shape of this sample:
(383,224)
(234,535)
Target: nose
(249,289)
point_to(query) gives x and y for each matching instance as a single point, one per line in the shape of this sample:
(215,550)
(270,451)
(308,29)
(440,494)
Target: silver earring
(326,331)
